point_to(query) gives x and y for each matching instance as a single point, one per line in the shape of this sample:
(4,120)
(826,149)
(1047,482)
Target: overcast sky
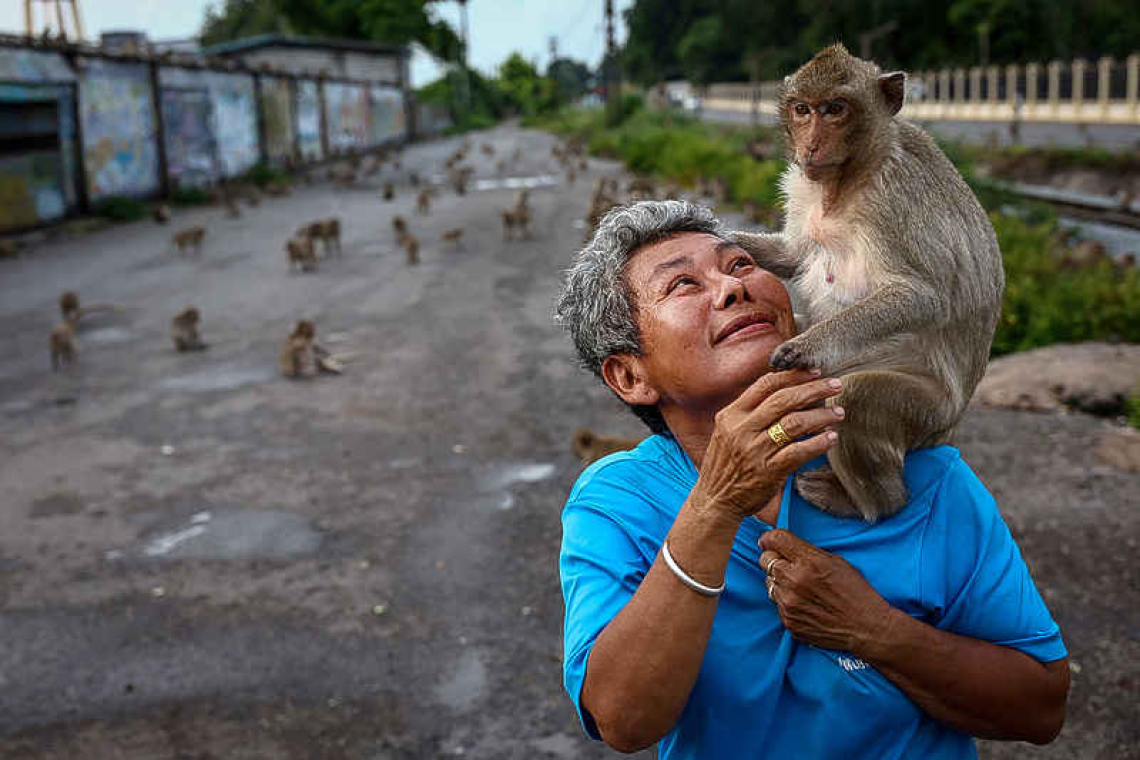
(498,27)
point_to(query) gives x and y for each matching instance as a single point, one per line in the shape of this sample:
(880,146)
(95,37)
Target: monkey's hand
(797,352)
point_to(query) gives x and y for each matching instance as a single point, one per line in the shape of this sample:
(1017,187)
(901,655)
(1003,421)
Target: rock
(1089,377)
(1120,449)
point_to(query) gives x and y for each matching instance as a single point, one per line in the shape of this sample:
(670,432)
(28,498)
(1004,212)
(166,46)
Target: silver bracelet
(682,576)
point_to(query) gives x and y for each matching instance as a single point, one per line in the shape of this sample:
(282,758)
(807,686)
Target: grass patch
(120,208)
(189,196)
(262,174)
(1132,410)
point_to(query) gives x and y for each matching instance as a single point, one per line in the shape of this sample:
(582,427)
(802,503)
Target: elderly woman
(712,609)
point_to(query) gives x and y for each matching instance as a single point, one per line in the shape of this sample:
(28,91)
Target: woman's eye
(741,263)
(680,282)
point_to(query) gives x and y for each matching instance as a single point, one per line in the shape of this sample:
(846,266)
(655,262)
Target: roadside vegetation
(1050,298)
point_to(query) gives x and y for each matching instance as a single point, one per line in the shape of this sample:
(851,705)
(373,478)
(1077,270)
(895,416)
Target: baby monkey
(301,252)
(897,269)
(184,331)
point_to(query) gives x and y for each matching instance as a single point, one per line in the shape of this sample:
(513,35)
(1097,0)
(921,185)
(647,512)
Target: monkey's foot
(822,488)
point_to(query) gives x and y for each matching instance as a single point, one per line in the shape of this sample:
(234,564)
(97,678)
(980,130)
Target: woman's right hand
(743,467)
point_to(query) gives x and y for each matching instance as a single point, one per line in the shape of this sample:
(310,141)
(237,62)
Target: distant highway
(1114,138)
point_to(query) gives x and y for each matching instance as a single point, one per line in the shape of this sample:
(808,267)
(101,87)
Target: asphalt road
(199,559)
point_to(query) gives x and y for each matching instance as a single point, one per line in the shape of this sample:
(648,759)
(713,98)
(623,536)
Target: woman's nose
(731,290)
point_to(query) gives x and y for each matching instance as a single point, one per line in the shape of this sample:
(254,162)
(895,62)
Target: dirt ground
(199,559)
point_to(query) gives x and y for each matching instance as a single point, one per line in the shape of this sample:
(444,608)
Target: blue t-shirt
(947,558)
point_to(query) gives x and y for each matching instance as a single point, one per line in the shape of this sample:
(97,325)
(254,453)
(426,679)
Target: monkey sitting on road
(325,230)
(184,331)
(400,226)
(162,213)
(189,238)
(423,201)
(897,267)
(389,191)
(300,356)
(301,253)
(591,447)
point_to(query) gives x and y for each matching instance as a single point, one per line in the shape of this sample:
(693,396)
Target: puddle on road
(106,335)
(236,534)
(466,685)
(516,183)
(218,378)
(495,483)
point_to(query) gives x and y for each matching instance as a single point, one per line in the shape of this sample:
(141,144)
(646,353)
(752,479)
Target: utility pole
(552,44)
(613,106)
(465,78)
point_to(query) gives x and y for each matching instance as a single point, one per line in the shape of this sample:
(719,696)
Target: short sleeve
(601,567)
(973,576)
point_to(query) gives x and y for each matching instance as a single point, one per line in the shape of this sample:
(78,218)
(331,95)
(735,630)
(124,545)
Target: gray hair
(596,305)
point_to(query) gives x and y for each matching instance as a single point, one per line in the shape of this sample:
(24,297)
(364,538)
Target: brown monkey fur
(301,252)
(412,248)
(72,312)
(591,447)
(184,330)
(896,266)
(162,213)
(453,236)
(423,201)
(189,238)
(61,343)
(301,356)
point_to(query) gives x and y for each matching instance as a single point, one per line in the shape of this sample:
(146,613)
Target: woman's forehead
(674,251)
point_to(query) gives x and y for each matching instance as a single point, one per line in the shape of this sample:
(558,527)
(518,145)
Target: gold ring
(768,568)
(771,584)
(778,436)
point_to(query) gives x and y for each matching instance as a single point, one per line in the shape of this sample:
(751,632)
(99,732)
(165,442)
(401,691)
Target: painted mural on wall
(235,122)
(387,114)
(191,152)
(277,108)
(308,120)
(117,114)
(346,107)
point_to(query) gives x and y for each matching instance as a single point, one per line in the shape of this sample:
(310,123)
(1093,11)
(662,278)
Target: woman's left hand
(821,598)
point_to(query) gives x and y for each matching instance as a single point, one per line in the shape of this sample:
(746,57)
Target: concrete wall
(117,117)
(347,116)
(277,113)
(309,121)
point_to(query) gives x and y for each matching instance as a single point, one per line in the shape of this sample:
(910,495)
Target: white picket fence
(1107,92)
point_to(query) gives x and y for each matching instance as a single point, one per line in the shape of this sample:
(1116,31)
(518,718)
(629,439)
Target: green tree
(397,22)
(528,92)
(242,18)
(571,78)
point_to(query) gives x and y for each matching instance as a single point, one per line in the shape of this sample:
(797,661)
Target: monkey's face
(709,320)
(820,133)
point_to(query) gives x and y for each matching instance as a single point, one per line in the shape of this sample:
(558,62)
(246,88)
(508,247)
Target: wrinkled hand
(743,468)
(821,598)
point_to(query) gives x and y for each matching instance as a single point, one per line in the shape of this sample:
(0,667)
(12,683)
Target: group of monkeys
(301,356)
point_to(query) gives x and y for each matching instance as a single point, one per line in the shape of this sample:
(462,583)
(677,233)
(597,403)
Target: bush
(1047,303)
(182,195)
(1132,409)
(121,208)
(261,174)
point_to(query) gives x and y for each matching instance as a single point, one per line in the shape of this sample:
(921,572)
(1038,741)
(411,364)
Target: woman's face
(709,319)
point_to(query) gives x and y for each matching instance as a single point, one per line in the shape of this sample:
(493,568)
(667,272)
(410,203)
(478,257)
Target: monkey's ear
(893,86)
(623,374)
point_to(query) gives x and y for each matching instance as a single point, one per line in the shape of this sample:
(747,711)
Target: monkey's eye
(801,109)
(835,108)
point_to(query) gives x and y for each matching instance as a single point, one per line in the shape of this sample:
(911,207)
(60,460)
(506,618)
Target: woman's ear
(624,375)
